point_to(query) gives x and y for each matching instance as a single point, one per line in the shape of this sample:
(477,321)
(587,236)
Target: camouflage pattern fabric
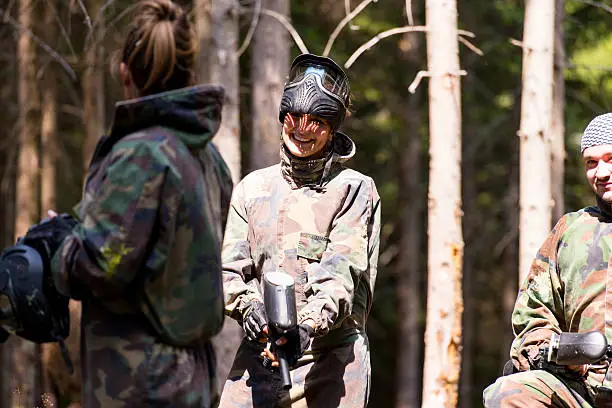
(326,236)
(336,377)
(566,291)
(145,259)
(537,388)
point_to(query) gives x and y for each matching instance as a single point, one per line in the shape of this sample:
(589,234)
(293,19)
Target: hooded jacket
(317,221)
(145,258)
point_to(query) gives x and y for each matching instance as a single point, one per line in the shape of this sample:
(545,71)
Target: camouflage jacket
(318,221)
(566,288)
(145,259)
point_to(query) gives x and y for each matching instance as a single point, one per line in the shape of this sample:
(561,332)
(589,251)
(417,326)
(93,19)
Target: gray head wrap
(598,132)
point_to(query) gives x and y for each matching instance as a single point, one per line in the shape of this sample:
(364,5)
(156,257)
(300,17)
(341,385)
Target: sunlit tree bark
(445,249)
(535,129)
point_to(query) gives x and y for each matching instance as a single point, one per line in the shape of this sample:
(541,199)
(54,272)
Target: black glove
(254,320)
(298,341)
(47,236)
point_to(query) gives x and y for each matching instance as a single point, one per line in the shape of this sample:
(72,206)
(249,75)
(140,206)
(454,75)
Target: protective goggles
(331,78)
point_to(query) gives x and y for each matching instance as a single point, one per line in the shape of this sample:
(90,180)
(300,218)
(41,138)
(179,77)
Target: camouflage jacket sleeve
(332,281)
(538,311)
(239,284)
(107,249)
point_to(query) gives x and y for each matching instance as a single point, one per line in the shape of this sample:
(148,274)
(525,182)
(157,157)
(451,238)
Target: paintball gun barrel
(577,348)
(279,301)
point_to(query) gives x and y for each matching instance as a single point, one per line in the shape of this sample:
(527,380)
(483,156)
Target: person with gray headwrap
(568,289)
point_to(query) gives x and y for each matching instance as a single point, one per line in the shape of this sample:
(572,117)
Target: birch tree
(269,68)
(445,247)
(535,130)
(25,353)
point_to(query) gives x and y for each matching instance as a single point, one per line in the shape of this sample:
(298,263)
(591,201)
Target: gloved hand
(294,343)
(47,236)
(254,321)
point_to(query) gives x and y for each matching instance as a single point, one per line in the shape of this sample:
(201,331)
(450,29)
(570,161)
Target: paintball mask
(316,86)
(30,307)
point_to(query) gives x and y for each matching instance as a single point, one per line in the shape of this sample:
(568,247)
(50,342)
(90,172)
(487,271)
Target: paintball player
(318,221)
(145,255)
(568,289)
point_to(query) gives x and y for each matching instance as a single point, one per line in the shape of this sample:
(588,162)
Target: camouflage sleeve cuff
(61,264)
(321,327)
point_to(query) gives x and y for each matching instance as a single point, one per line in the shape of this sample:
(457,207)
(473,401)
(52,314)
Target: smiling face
(598,167)
(306,135)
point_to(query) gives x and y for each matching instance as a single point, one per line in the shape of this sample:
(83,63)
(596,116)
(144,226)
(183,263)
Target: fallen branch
(42,44)
(366,46)
(294,34)
(342,23)
(249,34)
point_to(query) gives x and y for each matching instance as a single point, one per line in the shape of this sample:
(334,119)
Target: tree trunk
(409,272)
(409,281)
(269,69)
(445,249)
(224,70)
(93,86)
(558,122)
(536,109)
(202,11)
(25,353)
(510,256)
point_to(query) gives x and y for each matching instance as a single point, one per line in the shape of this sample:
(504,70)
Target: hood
(299,172)
(193,114)
(343,147)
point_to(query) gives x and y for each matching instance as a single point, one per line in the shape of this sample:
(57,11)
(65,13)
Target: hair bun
(163,10)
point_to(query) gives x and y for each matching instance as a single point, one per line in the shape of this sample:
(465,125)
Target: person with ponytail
(144,256)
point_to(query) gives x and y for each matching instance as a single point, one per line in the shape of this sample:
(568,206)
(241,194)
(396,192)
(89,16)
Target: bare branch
(366,46)
(119,17)
(42,44)
(98,20)
(466,33)
(249,34)
(294,34)
(471,46)
(342,23)
(417,81)
(7,13)
(409,15)
(86,14)
(62,28)
(347,7)
(597,4)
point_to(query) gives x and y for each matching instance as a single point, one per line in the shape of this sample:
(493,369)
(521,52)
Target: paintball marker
(279,301)
(576,348)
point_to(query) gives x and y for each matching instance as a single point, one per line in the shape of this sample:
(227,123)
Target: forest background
(388,123)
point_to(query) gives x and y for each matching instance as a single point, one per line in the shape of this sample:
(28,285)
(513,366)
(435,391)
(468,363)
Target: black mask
(316,86)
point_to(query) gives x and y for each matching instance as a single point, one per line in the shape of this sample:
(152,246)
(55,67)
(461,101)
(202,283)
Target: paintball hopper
(577,348)
(279,301)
